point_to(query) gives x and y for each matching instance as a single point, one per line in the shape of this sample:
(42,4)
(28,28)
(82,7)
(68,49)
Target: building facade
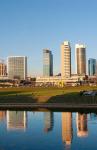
(17,67)
(59,81)
(3,70)
(80,51)
(47,63)
(91,67)
(65,59)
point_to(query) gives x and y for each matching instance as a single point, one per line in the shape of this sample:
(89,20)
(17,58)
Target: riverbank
(44,107)
(67,95)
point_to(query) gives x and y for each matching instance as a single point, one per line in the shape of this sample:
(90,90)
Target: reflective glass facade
(47,63)
(91,67)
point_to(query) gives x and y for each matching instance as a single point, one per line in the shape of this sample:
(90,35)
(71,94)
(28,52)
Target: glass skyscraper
(17,67)
(47,63)
(91,67)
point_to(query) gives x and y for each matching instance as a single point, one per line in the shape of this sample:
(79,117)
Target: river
(34,130)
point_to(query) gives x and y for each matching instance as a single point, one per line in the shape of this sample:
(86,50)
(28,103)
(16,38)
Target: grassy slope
(67,94)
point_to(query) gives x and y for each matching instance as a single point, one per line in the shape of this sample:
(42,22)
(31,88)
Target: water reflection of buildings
(2,115)
(67,130)
(93,116)
(48,121)
(82,129)
(16,120)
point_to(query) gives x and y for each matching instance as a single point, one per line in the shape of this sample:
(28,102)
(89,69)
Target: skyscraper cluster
(80,61)
(16,67)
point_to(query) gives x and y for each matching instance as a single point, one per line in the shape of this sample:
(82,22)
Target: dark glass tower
(91,67)
(47,63)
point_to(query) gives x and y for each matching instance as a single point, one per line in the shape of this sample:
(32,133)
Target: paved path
(47,105)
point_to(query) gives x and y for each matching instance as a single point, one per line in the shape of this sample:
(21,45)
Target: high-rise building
(65,59)
(48,121)
(3,69)
(47,63)
(67,128)
(17,67)
(91,67)
(82,129)
(80,59)
(16,120)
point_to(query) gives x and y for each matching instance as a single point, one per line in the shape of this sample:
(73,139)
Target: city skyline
(48,74)
(26,31)
(81,63)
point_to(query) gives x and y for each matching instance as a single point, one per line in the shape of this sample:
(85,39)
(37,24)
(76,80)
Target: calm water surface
(22,130)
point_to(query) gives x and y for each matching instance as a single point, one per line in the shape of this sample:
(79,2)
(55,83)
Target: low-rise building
(59,81)
(3,69)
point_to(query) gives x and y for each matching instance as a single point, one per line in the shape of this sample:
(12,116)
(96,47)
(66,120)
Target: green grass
(49,95)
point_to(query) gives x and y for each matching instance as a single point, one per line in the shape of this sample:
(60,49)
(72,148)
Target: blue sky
(29,26)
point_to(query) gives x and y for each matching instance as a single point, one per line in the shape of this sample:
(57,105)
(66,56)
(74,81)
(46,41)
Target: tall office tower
(48,121)
(16,120)
(91,67)
(47,63)
(17,67)
(80,59)
(67,130)
(3,69)
(81,121)
(65,59)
